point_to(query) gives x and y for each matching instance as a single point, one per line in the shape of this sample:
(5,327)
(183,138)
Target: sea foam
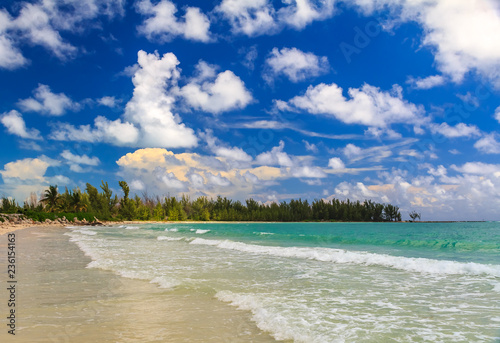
(411,264)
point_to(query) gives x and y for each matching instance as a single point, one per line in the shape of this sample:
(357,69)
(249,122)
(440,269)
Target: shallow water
(60,300)
(260,282)
(323,282)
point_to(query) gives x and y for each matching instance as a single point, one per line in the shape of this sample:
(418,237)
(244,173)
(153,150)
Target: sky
(397,101)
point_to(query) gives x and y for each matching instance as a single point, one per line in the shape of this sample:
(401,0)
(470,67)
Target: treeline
(104,205)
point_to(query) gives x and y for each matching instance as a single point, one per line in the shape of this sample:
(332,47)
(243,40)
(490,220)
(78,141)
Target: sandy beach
(58,299)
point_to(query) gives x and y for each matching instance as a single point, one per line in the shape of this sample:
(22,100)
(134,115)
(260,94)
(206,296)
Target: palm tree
(51,198)
(76,201)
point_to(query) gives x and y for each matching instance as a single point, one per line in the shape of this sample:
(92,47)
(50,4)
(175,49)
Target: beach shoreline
(7,227)
(68,301)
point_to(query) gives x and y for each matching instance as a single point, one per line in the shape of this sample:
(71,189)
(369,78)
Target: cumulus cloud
(459,130)
(75,161)
(148,120)
(488,144)
(46,102)
(15,125)
(292,166)
(21,177)
(471,194)
(215,93)
(458,32)
(25,169)
(151,106)
(367,105)
(307,172)
(294,64)
(195,174)
(10,56)
(300,13)
(249,17)
(336,163)
(259,17)
(164,171)
(220,150)
(275,157)
(40,23)
(428,82)
(108,101)
(114,132)
(162,23)
(497,114)
(478,168)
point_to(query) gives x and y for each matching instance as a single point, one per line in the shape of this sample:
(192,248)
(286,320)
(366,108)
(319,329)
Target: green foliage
(414,215)
(128,207)
(159,213)
(106,206)
(51,198)
(9,205)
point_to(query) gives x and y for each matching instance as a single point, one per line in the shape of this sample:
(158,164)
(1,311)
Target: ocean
(260,282)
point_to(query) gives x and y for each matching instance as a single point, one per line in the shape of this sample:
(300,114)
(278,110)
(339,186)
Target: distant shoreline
(8,227)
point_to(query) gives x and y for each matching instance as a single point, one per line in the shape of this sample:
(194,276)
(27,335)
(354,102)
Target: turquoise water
(323,282)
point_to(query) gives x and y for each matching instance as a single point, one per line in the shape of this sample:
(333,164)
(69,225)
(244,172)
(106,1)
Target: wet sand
(59,300)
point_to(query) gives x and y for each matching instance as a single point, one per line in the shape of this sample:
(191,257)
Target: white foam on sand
(165,238)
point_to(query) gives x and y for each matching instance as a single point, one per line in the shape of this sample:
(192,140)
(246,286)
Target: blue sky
(391,100)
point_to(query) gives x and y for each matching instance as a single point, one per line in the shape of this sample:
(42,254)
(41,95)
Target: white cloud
(378,153)
(10,56)
(75,160)
(295,64)
(217,180)
(478,168)
(26,169)
(336,163)
(148,120)
(352,151)
(257,17)
(469,99)
(151,106)
(40,23)
(472,195)
(215,94)
(458,32)
(428,82)
(34,21)
(15,125)
(497,114)
(300,13)
(163,25)
(114,132)
(48,103)
(307,172)
(275,157)
(172,182)
(249,17)
(488,144)
(377,132)
(21,177)
(108,101)
(229,153)
(310,146)
(367,105)
(251,54)
(137,185)
(195,174)
(459,130)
